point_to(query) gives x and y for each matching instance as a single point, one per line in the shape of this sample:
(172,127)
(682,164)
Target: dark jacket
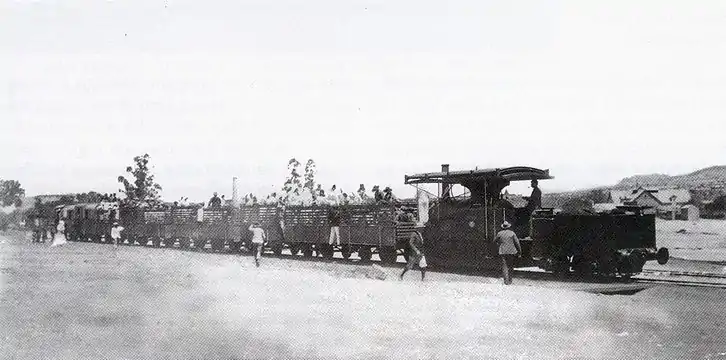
(334,217)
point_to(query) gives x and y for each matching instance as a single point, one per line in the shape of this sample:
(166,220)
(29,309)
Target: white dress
(60,236)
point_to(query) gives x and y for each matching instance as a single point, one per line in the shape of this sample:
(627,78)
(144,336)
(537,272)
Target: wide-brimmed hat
(506,225)
(387,189)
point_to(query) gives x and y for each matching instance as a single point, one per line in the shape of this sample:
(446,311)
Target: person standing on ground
(60,236)
(509,248)
(258,240)
(416,256)
(334,219)
(116,230)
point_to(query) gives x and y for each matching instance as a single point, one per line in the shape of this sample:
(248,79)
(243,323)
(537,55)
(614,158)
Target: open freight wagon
(364,229)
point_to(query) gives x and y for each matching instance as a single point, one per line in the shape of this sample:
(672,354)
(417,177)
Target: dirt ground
(87,301)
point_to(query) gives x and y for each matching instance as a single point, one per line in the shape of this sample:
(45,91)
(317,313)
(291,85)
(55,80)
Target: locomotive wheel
(308,251)
(184,243)
(345,251)
(364,254)
(388,255)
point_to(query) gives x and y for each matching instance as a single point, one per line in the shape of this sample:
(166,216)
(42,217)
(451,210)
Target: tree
(141,188)
(11,193)
(310,175)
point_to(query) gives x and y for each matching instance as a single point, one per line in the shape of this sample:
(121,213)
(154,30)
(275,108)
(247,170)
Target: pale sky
(372,90)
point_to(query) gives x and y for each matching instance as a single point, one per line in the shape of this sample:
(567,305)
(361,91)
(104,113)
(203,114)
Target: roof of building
(664,196)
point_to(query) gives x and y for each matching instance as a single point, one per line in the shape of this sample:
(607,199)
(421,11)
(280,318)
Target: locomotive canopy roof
(515,173)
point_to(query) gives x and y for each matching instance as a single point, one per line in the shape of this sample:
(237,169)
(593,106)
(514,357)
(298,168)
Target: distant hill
(709,181)
(708,177)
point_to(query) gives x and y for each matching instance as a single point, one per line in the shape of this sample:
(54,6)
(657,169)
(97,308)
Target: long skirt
(59,239)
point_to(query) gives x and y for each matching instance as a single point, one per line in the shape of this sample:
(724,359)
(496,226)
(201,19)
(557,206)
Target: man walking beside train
(258,240)
(509,248)
(416,256)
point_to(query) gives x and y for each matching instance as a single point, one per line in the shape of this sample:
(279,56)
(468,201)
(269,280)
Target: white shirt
(258,235)
(116,232)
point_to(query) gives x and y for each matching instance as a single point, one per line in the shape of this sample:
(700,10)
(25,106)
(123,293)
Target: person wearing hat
(116,233)
(509,247)
(215,202)
(377,194)
(534,201)
(416,256)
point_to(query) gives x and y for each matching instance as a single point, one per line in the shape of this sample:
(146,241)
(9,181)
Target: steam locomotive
(457,234)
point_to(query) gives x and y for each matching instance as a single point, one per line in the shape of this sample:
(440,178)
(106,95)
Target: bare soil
(87,301)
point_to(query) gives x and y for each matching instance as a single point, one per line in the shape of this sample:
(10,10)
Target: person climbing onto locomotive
(416,256)
(258,241)
(534,201)
(215,202)
(334,219)
(116,230)
(509,248)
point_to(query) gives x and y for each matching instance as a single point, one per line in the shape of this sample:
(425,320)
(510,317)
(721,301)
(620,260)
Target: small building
(665,201)
(690,213)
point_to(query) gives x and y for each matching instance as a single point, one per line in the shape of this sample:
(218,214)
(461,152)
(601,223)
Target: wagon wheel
(365,254)
(277,249)
(142,241)
(345,250)
(308,251)
(327,251)
(156,242)
(388,255)
(235,246)
(217,244)
(199,244)
(295,249)
(169,242)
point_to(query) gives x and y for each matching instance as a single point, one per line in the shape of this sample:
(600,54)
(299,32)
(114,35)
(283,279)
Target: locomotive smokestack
(235,195)
(445,168)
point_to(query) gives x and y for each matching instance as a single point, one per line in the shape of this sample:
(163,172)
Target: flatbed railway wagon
(460,231)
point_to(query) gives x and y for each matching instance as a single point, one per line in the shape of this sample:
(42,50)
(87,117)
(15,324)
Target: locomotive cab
(460,230)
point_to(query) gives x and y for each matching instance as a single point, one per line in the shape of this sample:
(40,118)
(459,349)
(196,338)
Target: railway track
(682,278)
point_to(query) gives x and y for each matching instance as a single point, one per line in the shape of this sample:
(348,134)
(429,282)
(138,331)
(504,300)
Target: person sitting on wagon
(388,196)
(215,202)
(377,194)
